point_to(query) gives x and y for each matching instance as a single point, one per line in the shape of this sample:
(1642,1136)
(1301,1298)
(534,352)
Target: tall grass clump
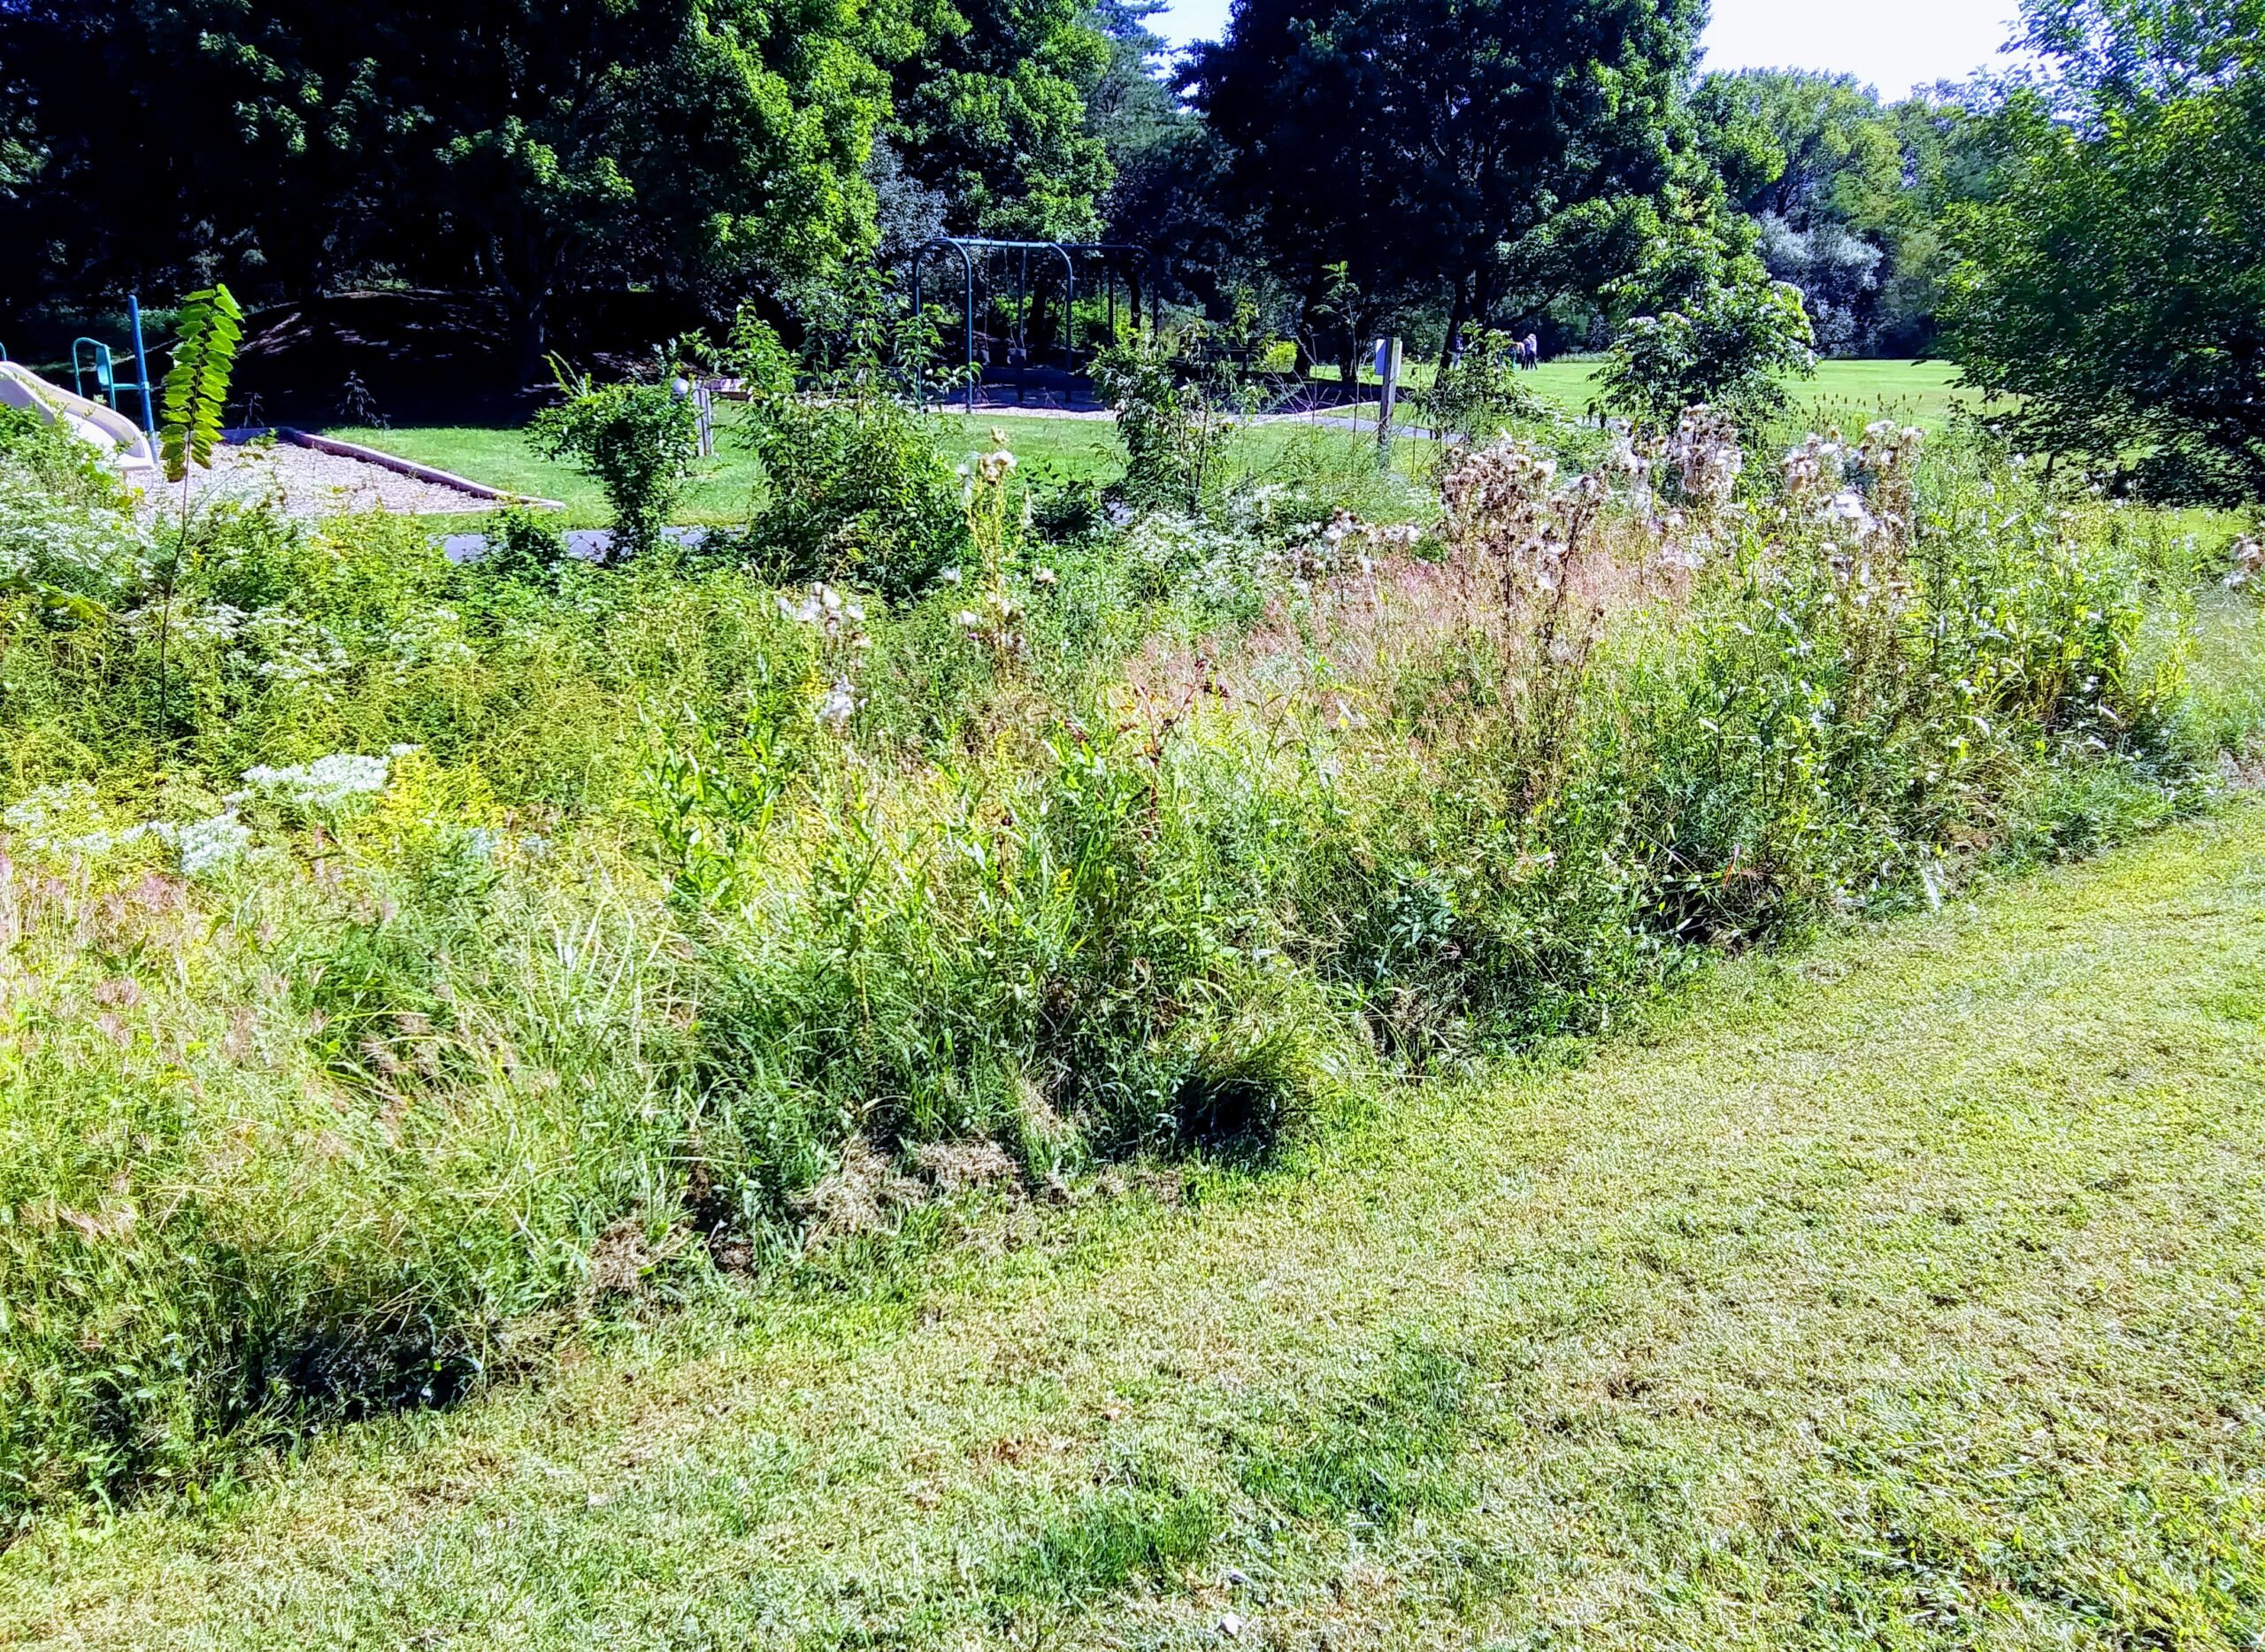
(452,952)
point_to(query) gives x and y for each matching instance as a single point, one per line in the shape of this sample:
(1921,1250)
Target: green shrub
(524,546)
(1480,397)
(1723,346)
(68,538)
(637,442)
(1175,432)
(859,490)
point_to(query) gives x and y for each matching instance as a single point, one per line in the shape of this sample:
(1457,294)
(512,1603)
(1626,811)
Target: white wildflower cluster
(1681,488)
(1707,459)
(1629,465)
(208,846)
(206,625)
(1341,547)
(271,644)
(1886,467)
(1264,510)
(1823,470)
(285,648)
(105,556)
(1811,473)
(839,622)
(340,781)
(1190,556)
(1346,531)
(432,636)
(70,820)
(826,610)
(1279,511)
(836,706)
(2248,559)
(64,817)
(1503,504)
(1860,495)
(992,469)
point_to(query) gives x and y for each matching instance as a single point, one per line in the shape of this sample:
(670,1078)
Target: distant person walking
(1529,352)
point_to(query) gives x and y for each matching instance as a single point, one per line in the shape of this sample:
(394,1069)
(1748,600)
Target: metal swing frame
(968,246)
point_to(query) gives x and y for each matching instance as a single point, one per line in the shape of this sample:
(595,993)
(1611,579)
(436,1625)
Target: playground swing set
(1008,359)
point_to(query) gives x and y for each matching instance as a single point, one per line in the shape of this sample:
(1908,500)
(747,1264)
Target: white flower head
(337,782)
(208,846)
(836,706)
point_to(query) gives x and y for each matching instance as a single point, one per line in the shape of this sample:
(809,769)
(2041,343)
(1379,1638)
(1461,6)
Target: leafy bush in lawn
(859,490)
(1722,345)
(637,442)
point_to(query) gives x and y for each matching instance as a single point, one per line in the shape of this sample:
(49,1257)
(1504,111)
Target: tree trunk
(1459,317)
(525,267)
(1308,332)
(530,332)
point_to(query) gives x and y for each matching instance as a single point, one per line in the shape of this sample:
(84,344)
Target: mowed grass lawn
(726,486)
(1904,1292)
(1845,393)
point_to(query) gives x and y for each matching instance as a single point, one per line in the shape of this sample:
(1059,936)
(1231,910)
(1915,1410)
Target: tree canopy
(990,112)
(1847,195)
(529,145)
(2084,230)
(2116,280)
(1466,148)
(685,140)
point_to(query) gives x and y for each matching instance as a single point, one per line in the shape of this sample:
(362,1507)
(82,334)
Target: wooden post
(1388,372)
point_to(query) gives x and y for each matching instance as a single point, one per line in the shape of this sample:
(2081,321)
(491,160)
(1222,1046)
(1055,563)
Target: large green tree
(1474,152)
(2116,281)
(1848,195)
(1169,192)
(990,112)
(528,143)
(1800,146)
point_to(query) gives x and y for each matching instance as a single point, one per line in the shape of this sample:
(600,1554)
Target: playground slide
(120,441)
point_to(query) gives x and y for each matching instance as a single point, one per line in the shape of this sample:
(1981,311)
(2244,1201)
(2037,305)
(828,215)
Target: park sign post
(1388,376)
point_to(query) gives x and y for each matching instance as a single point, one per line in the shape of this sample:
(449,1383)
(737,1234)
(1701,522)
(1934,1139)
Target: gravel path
(308,485)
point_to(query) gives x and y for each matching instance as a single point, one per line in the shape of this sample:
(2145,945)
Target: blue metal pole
(141,366)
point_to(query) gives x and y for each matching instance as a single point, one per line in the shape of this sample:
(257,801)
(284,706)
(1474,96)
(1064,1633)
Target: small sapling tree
(637,442)
(1480,397)
(1175,432)
(195,393)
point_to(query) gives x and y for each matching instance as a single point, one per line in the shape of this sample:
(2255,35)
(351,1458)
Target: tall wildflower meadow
(450,953)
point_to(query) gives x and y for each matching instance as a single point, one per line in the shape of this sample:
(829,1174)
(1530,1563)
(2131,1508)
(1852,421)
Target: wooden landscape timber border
(408,467)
